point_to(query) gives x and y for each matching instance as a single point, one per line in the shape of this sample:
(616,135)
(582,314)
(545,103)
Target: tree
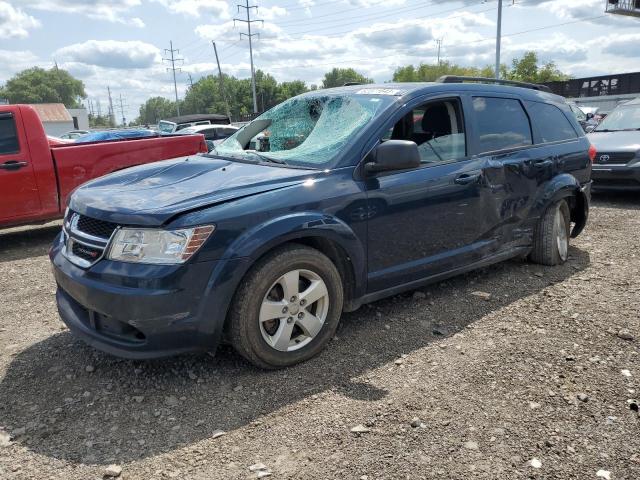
(339,76)
(100,121)
(155,109)
(526,69)
(430,73)
(37,85)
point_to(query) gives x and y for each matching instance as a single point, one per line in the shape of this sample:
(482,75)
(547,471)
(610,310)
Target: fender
(563,186)
(263,237)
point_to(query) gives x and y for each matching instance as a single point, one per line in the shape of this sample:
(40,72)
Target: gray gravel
(515,371)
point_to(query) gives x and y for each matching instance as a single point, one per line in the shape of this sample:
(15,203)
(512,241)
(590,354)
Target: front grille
(86,252)
(614,157)
(96,228)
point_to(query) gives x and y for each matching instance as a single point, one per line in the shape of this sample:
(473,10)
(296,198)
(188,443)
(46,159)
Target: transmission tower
(122,106)
(250,36)
(173,68)
(112,114)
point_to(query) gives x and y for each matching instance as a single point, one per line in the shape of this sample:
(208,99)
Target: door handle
(466,179)
(12,165)
(542,163)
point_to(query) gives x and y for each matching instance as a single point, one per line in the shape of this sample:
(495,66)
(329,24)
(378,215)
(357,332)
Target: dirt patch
(514,371)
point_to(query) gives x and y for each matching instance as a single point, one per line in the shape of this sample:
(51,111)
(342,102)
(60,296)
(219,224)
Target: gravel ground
(514,371)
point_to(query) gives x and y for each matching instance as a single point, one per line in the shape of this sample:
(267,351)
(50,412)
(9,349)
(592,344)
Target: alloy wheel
(562,239)
(294,310)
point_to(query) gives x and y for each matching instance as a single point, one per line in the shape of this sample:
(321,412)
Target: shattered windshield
(308,130)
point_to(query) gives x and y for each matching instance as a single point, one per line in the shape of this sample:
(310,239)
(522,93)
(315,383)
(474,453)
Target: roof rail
(460,79)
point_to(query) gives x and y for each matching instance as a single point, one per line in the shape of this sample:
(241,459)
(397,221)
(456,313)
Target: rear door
(503,139)
(19,196)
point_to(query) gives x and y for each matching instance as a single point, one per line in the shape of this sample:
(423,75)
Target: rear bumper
(145,311)
(616,177)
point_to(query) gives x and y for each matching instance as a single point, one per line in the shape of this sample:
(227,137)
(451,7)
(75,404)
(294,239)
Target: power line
(250,36)
(484,39)
(173,68)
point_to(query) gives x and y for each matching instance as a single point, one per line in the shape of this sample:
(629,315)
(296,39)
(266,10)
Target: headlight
(145,245)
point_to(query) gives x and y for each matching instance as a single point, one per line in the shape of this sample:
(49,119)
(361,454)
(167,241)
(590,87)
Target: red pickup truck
(37,176)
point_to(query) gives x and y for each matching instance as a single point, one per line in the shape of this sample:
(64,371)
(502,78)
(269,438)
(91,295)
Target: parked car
(364,192)
(175,124)
(37,173)
(581,117)
(617,140)
(73,134)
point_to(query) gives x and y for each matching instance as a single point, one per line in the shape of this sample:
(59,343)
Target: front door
(17,180)
(431,219)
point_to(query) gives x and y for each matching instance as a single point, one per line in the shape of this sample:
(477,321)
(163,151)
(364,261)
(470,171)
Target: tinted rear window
(501,123)
(8,135)
(550,122)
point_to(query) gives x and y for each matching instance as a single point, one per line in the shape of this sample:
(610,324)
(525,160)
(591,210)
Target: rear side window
(501,123)
(550,122)
(8,135)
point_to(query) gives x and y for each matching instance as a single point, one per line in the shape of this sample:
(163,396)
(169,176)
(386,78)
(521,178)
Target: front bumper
(616,177)
(145,311)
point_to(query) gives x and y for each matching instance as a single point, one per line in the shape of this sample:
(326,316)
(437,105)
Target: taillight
(592,153)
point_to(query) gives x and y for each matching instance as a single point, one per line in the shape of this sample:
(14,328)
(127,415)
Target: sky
(120,43)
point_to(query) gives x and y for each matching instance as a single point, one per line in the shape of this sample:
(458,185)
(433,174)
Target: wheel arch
(565,187)
(325,233)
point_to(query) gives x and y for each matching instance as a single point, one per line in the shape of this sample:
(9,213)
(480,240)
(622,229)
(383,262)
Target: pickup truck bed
(37,176)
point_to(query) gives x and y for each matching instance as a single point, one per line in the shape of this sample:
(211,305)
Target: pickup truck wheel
(287,308)
(551,236)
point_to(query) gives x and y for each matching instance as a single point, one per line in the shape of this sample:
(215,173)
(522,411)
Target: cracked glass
(308,130)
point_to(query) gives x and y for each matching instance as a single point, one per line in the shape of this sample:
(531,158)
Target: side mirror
(394,155)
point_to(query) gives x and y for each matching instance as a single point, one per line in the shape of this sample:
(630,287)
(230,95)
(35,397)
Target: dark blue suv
(330,200)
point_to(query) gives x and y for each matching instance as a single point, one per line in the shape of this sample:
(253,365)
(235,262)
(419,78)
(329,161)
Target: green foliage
(96,121)
(155,109)
(339,76)
(37,85)
(525,69)
(429,73)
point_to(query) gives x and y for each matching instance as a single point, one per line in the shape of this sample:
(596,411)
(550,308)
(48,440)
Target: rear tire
(287,308)
(551,236)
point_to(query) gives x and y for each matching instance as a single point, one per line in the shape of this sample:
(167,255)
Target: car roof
(198,118)
(197,128)
(409,90)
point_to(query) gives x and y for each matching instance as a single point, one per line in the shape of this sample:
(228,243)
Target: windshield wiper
(265,158)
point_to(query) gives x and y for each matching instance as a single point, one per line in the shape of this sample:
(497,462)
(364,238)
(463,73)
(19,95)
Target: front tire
(287,308)
(551,236)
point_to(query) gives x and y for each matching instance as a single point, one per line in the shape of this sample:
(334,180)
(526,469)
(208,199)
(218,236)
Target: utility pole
(498,39)
(173,61)
(190,80)
(112,114)
(439,42)
(122,107)
(224,97)
(99,108)
(250,36)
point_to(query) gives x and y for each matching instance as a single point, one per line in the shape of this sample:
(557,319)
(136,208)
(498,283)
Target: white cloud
(583,9)
(110,10)
(622,46)
(196,8)
(15,23)
(271,13)
(111,54)
(13,61)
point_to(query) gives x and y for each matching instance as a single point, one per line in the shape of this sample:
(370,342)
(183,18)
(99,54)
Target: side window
(550,122)
(501,123)
(437,128)
(8,135)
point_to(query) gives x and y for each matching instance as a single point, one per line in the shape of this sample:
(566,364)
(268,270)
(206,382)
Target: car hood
(627,141)
(152,194)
